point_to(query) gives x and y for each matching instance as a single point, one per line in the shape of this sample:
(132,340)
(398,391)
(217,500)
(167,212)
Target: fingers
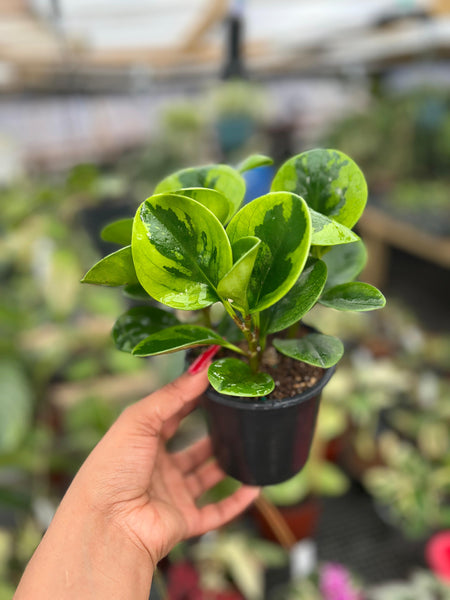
(193,456)
(213,516)
(200,473)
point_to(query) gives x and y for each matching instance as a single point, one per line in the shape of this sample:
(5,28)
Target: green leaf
(15,405)
(180,251)
(344,263)
(177,338)
(222,178)
(235,283)
(354,295)
(298,301)
(118,232)
(115,269)
(329,181)
(327,232)
(254,161)
(216,202)
(233,377)
(281,221)
(315,349)
(138,323)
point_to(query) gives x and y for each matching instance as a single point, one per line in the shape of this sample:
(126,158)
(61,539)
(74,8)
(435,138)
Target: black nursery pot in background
(263,442)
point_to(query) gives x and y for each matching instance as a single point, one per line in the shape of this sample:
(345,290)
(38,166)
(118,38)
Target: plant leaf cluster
(191,245)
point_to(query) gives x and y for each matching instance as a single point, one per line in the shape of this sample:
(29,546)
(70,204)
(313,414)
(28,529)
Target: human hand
(150,493)
(130,503)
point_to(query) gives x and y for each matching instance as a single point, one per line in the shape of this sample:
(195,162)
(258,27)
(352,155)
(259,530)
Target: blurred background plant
(402,144)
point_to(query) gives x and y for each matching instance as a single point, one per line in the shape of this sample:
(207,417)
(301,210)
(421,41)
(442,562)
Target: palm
(167,511)
(153,493)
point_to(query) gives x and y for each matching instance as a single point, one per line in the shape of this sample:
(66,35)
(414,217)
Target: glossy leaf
(355,295)
(281,221)
(138,323)
(118,232)
(233,287)
(329,181)
(327,232)
(113,270)
(216,202)
(344,263)
(298,301)
(179,337)
(233,377)
(254,161)
(222,178)
(315,349)
(180,251)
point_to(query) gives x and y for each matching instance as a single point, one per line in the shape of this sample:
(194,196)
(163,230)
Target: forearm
(84,555)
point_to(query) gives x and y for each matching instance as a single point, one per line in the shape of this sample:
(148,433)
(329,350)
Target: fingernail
(203,361)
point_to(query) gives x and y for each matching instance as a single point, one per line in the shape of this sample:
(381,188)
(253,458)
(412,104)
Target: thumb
(164,408)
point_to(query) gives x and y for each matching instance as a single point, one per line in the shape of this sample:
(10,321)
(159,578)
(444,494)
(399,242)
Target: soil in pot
(291,376)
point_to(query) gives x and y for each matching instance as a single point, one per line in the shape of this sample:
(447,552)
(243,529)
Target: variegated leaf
(179,337)
(222,178)
(138,323)
(354,296)
(216,202)
(314,349)
(180,251)
(327,232)
(345,262)
(298,301)
(233,377)
(254,161)
(329,181)
(233,287)
(281,221)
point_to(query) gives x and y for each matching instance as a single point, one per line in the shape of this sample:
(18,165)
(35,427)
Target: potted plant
(250,274)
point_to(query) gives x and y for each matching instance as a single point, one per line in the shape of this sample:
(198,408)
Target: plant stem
(233,315)
(252,339)
(250,335)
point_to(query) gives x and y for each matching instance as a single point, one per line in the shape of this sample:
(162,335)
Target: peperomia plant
(191,247)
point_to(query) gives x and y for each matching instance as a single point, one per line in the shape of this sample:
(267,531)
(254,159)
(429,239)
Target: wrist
(86,554)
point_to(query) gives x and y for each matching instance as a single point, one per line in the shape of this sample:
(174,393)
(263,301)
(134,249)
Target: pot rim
(248,403)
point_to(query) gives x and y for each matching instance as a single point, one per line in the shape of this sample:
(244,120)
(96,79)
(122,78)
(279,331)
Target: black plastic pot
(263,442)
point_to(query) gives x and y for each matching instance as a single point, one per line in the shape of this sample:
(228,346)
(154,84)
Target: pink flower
(437,553)
(335,583)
